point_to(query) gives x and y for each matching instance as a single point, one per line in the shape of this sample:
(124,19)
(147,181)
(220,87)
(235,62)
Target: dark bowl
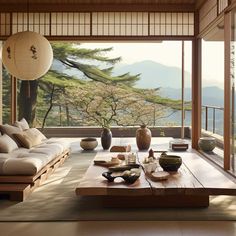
(170,162)
(128,179)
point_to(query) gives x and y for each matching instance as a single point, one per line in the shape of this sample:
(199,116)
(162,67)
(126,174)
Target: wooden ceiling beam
(70,7)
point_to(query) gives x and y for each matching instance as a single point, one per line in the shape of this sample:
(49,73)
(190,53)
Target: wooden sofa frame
(19,187)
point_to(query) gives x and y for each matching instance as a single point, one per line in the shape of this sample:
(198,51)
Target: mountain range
(157,75)
(168,79)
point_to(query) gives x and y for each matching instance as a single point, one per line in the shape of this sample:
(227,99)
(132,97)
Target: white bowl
(88,144)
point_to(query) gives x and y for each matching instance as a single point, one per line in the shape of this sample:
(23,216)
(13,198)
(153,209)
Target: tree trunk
(67,115)
(27,100)
(50,106)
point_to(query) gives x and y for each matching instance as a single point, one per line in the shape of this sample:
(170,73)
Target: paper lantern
(27,55)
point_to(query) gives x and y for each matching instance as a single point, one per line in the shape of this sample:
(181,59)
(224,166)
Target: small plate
(159,175)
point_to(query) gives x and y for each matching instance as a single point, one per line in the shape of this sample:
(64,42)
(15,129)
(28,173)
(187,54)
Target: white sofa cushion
(28,138)
(10,130)
(61,141)
(22,124)
(7,144)
(24,161)
(30,164)
(3,159)
(50,150)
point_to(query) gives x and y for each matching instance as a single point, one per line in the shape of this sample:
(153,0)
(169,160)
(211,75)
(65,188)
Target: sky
(169,53)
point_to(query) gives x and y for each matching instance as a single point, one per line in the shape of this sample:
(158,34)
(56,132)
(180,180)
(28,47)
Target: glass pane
(233,97)
(213,93)
(115,84)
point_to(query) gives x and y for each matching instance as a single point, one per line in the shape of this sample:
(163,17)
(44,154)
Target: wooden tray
(105,163)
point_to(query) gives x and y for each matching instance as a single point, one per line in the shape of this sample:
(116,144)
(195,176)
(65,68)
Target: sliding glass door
(233,97)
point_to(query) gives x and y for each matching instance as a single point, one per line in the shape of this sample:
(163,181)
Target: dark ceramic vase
(106,137)
(143,137)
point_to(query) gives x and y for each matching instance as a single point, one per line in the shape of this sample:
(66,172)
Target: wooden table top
(196,176)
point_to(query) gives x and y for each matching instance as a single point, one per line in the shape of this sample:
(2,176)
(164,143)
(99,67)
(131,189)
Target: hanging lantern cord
(28,84)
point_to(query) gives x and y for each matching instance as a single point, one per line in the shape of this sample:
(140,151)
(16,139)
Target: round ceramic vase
(143,138)
(207,144)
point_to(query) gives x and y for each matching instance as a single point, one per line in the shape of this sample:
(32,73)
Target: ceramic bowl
(207,144)
(170,162)
(88,144)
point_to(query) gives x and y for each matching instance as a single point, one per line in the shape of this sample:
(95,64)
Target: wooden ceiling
(19,5)
(102,1)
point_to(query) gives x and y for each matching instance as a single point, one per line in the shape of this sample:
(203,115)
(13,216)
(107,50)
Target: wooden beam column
(1,83)
(196,92)
(227,91)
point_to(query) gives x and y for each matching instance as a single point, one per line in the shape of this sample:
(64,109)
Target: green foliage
(6,96)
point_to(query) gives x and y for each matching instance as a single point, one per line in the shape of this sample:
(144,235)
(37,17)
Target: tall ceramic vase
(143,137)
(106,137)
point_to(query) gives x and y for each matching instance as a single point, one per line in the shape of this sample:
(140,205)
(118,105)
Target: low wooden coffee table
(191,186)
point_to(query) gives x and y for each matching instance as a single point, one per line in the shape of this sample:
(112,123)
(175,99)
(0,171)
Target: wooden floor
(151,228)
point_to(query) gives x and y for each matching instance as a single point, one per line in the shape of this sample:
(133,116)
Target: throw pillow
(10,130)
(7,144)
(22,124)
(38,133)
(28,139)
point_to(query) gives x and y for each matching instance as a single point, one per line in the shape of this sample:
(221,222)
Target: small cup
(131,159)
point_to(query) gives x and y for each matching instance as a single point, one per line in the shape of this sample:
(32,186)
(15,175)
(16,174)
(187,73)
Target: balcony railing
(212,109)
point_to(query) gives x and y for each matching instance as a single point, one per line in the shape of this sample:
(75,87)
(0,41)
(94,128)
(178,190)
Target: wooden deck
(189,187)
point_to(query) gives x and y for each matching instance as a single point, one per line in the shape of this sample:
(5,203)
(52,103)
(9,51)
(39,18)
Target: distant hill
(210,95)
(168,78)
(154,75)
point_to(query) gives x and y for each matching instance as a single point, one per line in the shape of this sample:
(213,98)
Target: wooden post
(196,85)
(196,92)
(227,91)
(182,94)
(1,83)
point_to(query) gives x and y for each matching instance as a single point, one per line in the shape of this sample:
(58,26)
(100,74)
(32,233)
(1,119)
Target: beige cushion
(59,141)
(28,165)
(7,144)
(37,132)
(22,124)
(10,130)
(28,138)
(50,150)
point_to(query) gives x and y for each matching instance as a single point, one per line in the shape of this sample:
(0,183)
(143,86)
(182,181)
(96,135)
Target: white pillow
(7,144)
(10,130)
(38,133)
(29,138)
(22,124)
